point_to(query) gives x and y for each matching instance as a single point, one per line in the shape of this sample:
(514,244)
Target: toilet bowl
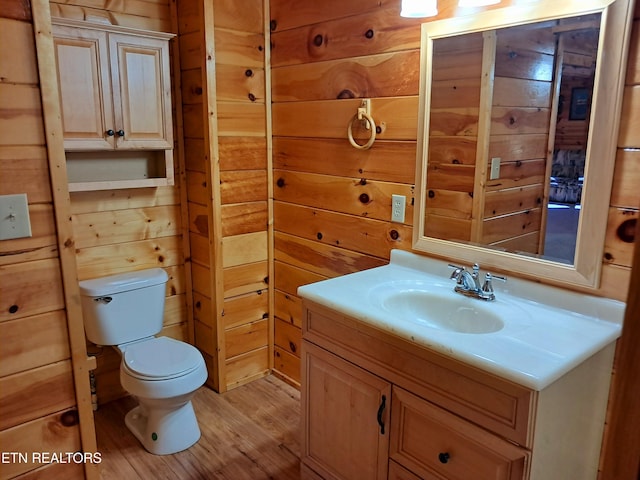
(125,311)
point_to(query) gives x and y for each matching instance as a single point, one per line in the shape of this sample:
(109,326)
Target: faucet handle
(456,271)
(487,286)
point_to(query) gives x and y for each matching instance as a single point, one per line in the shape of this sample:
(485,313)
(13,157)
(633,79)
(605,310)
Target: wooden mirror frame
(615,30)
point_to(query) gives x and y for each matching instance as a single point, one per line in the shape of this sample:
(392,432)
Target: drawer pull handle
(110,133)
(381,412)
(444,457)
(120,133)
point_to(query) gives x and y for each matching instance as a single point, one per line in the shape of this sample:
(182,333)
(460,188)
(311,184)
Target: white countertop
(548,331)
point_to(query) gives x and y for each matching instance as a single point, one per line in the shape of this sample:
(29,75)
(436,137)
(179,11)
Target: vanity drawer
(498,405)
(436,444)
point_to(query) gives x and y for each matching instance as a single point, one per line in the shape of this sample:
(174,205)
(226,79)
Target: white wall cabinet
(115,95)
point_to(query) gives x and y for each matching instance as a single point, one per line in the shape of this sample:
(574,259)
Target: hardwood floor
(251,432)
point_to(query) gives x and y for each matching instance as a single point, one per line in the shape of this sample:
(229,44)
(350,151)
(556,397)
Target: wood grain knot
(280,182)
(273,25)
(369,33)
(13,308)
(318,40)
(319,235)
(432,194)
(627,230)
(252,97)
(346,93)
(248,72)
(70,418)
(394,234)
(292,347)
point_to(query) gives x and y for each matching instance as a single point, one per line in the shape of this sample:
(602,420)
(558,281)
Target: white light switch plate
(495,168)
(14,216)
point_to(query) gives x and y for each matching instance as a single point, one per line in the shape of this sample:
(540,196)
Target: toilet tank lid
(122,282)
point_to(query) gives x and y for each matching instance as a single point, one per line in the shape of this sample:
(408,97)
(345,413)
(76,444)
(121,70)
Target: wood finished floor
(251,432)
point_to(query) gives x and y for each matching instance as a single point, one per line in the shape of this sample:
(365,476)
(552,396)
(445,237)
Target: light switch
(14,216)
(495,168)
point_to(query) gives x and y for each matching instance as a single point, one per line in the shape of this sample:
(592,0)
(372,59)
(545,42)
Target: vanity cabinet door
(345,418)
(435,444)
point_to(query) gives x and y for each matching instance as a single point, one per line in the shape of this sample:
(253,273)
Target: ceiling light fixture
(419,8)
(477,3)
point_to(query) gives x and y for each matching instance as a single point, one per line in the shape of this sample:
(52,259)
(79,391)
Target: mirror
(519,114)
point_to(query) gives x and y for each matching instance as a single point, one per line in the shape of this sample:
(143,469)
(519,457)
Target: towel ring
(362,115)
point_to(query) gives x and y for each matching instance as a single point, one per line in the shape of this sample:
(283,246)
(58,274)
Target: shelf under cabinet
(108,170)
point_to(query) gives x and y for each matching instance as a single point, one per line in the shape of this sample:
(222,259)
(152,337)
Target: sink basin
(531,333)
(442,312)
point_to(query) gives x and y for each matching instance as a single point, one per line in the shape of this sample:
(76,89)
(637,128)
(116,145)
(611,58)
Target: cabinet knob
(120,133)
(444,457)
(110,133)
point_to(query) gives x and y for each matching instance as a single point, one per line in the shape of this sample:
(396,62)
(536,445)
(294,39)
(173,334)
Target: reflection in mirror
(537,144)
(519,115)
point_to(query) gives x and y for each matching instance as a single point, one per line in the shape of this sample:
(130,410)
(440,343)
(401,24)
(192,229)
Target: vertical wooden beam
(212,170)
(551,140)
(621,452)
(269,133)
(181,174)
(66,245)
(489,45)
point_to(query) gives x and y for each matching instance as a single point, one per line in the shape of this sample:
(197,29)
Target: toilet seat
(160,358)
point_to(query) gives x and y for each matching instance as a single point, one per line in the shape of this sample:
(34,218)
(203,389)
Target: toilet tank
(122,308)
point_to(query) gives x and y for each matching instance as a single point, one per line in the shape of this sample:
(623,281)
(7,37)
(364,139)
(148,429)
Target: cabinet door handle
(110,133)
(381,408)
(444,457)
(120,133)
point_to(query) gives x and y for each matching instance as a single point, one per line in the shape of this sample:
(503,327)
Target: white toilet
(126,311)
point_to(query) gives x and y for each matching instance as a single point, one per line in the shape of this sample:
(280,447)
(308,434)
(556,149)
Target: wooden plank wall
(524,63)
(453,133)
(38,403)
(332,203)
(124,230)
(228,191)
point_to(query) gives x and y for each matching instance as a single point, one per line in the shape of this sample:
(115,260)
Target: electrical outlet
(14,217)
(398,203)
(495,168)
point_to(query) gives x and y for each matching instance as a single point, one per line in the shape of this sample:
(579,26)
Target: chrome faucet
(468,283)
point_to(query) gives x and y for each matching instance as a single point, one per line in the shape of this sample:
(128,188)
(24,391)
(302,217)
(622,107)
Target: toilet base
(164,431)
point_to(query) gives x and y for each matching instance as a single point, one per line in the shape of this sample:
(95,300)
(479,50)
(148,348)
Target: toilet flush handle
(104,300)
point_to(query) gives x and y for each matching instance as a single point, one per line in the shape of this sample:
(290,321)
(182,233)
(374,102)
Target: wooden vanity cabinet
(443,419)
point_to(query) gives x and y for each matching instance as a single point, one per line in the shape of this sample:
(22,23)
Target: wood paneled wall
(223,77)
(512,213)
(332,203)
(38,410)
(453,132)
